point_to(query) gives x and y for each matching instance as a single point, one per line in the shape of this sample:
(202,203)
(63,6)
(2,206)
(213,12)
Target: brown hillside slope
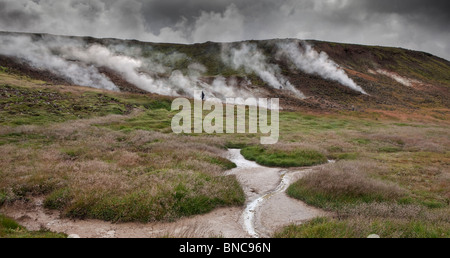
(394,78)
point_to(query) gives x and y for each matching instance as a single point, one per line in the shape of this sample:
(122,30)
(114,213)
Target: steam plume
(79,62)
(40,54)
(252,60)
(310,61)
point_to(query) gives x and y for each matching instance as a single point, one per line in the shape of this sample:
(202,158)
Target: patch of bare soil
(360,75)
(219,223)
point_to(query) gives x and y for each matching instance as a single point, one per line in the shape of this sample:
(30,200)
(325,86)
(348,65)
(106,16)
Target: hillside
(295,71)
(87,148)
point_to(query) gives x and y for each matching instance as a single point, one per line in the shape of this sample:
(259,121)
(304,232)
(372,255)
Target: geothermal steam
(310,61)
(78,62)
(126,66)
(402,80)
(252,60)
(40,54)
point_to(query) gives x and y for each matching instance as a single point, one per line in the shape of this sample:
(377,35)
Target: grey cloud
(436,7)
(16,16)
(415,24)
(161,14)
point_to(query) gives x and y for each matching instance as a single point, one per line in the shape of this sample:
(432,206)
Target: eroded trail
(267,209)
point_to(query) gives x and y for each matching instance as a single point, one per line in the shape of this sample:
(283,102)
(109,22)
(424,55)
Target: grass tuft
(283,158)
(58,199)
(3,198)
(341,184)
(222,162)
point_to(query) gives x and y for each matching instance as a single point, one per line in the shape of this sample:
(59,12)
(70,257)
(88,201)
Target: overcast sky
(414,24)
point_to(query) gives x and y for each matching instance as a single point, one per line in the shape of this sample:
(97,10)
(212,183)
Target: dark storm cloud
(415,24)
(15,16)
(434,12)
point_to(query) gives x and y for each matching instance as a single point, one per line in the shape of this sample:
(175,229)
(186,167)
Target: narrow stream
(249,214)
(247,172)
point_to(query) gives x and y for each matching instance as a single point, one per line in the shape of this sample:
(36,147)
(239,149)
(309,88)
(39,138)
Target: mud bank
(267,209)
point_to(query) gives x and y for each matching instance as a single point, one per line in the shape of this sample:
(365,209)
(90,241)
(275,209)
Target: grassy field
(100,155)
(112,156)
(391,178)
(88,171)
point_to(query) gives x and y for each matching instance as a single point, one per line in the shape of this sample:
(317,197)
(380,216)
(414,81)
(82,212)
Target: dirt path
(267,209)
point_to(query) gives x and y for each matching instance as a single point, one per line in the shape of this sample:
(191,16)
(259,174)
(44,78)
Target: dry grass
(407,212)
(343,183)
(92,172)
(361,227)
(398,186)
(414,138)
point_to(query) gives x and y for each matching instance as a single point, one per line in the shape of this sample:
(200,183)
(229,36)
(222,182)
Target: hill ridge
(326,76)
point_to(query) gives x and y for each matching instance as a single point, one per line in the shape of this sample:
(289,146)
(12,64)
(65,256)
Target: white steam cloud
(79,62)
(402,80)
(310,61)
(252,60)
(40,54)
(126,66)
(143,73)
